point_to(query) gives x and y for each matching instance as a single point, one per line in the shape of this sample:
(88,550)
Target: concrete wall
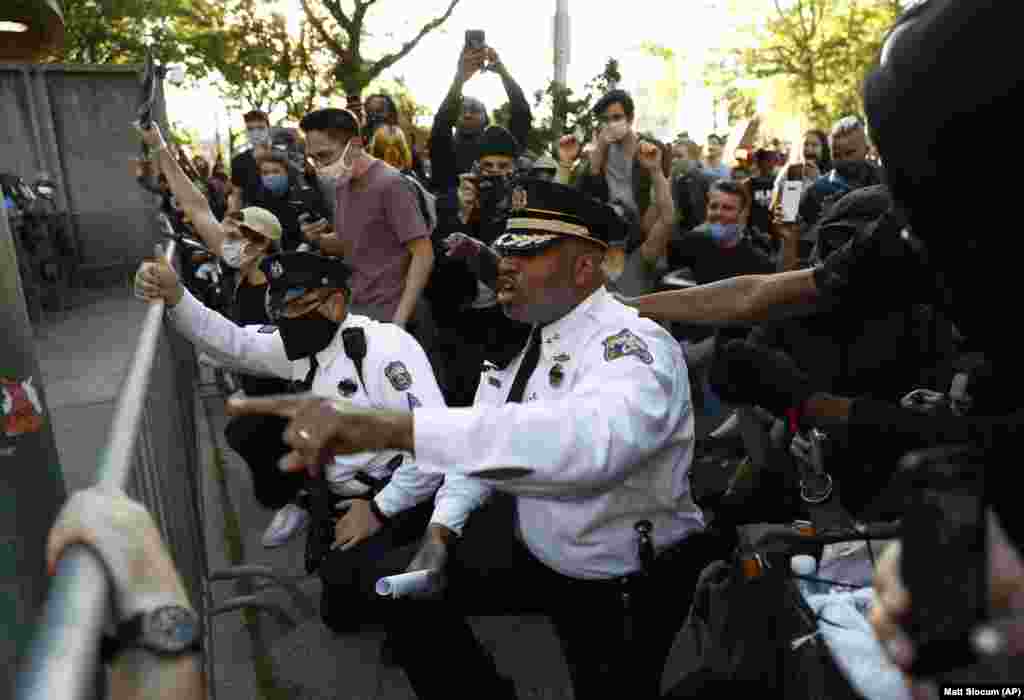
(75,123)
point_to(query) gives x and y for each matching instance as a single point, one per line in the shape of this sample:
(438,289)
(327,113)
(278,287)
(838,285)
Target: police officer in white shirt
(587,439)
(317,344)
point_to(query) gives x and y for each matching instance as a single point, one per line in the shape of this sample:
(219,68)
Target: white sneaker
(289,520)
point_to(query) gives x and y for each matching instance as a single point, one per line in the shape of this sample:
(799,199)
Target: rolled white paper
(402,585)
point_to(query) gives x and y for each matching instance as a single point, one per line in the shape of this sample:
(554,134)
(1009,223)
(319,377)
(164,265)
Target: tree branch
(318,24)
(334,7)
(389,60)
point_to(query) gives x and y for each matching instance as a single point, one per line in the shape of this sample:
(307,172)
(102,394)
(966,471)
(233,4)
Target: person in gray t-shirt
(378,227)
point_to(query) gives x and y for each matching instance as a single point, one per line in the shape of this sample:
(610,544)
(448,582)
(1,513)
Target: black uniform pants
(490,572)
(258,440)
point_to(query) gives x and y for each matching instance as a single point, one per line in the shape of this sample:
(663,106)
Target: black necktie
(526,368)
(307,384)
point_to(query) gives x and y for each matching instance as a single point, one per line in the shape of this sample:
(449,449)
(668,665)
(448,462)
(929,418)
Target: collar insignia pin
(556,375)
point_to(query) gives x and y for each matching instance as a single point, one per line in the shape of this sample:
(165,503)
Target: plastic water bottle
(805,565)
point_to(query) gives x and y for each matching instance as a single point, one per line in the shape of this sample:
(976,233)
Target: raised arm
(659,219)
(442,148)
(520,117)
(192,201)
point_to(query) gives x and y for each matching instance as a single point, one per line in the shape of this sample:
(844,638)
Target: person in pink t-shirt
(379,229)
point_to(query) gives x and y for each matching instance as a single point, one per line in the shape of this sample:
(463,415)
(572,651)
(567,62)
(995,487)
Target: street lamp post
(561,46)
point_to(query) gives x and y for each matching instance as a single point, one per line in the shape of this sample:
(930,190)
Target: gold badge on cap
(519,200)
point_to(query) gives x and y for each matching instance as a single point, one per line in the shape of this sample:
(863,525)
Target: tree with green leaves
(825,48)
(343,31)
(560,107)
(260,64)
(726,79)
(118,31)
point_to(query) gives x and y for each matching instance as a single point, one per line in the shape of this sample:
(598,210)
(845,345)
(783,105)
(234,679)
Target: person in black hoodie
(451,155)
(850,350)
(471,325)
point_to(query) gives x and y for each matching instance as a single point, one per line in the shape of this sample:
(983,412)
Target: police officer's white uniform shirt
(611,443)
(397,373)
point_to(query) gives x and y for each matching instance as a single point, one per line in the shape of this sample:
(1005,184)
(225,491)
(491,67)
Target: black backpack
(426,201)
(757,635)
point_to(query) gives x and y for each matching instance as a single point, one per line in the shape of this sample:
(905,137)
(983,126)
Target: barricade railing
(151,454)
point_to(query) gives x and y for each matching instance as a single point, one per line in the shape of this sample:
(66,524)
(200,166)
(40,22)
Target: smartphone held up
(792,191)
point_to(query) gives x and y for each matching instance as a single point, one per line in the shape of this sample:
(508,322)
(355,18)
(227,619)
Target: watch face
(171,629)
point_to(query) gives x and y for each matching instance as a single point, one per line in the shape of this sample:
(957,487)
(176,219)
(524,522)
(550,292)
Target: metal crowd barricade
(152,454)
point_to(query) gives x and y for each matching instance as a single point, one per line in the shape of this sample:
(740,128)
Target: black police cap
(542,213)
(307,270)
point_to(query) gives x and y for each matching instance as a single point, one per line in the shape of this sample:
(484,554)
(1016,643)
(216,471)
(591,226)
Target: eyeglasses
(611,119)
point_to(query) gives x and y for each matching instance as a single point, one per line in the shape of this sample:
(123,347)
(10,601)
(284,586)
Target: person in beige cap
(241,239)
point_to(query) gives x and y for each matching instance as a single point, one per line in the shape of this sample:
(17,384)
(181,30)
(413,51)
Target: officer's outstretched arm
(631,402)
(253,349)
(738,300)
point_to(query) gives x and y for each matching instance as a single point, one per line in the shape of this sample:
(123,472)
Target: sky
(521,32)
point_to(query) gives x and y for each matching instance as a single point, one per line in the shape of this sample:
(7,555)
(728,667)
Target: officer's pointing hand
(320,428)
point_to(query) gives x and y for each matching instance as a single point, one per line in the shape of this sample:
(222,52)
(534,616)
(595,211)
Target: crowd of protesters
(503,367)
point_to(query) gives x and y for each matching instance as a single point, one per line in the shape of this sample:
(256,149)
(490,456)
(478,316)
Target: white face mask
(328,175)
(259,136)
(618,130)
(231,253)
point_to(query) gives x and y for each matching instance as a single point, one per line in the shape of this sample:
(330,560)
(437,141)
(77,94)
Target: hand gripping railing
(63,658)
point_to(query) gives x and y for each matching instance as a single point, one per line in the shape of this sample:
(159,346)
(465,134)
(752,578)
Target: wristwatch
(169,630)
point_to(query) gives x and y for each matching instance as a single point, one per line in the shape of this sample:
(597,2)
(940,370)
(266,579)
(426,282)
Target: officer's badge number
(625,343)
(399,376)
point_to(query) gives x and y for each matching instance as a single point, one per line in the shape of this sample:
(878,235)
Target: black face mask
(306,335)
(858,173)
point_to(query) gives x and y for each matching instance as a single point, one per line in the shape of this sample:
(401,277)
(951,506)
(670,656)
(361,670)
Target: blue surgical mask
(724,233)
(276,184)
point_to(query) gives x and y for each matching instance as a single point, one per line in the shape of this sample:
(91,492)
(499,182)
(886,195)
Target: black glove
(747,374)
